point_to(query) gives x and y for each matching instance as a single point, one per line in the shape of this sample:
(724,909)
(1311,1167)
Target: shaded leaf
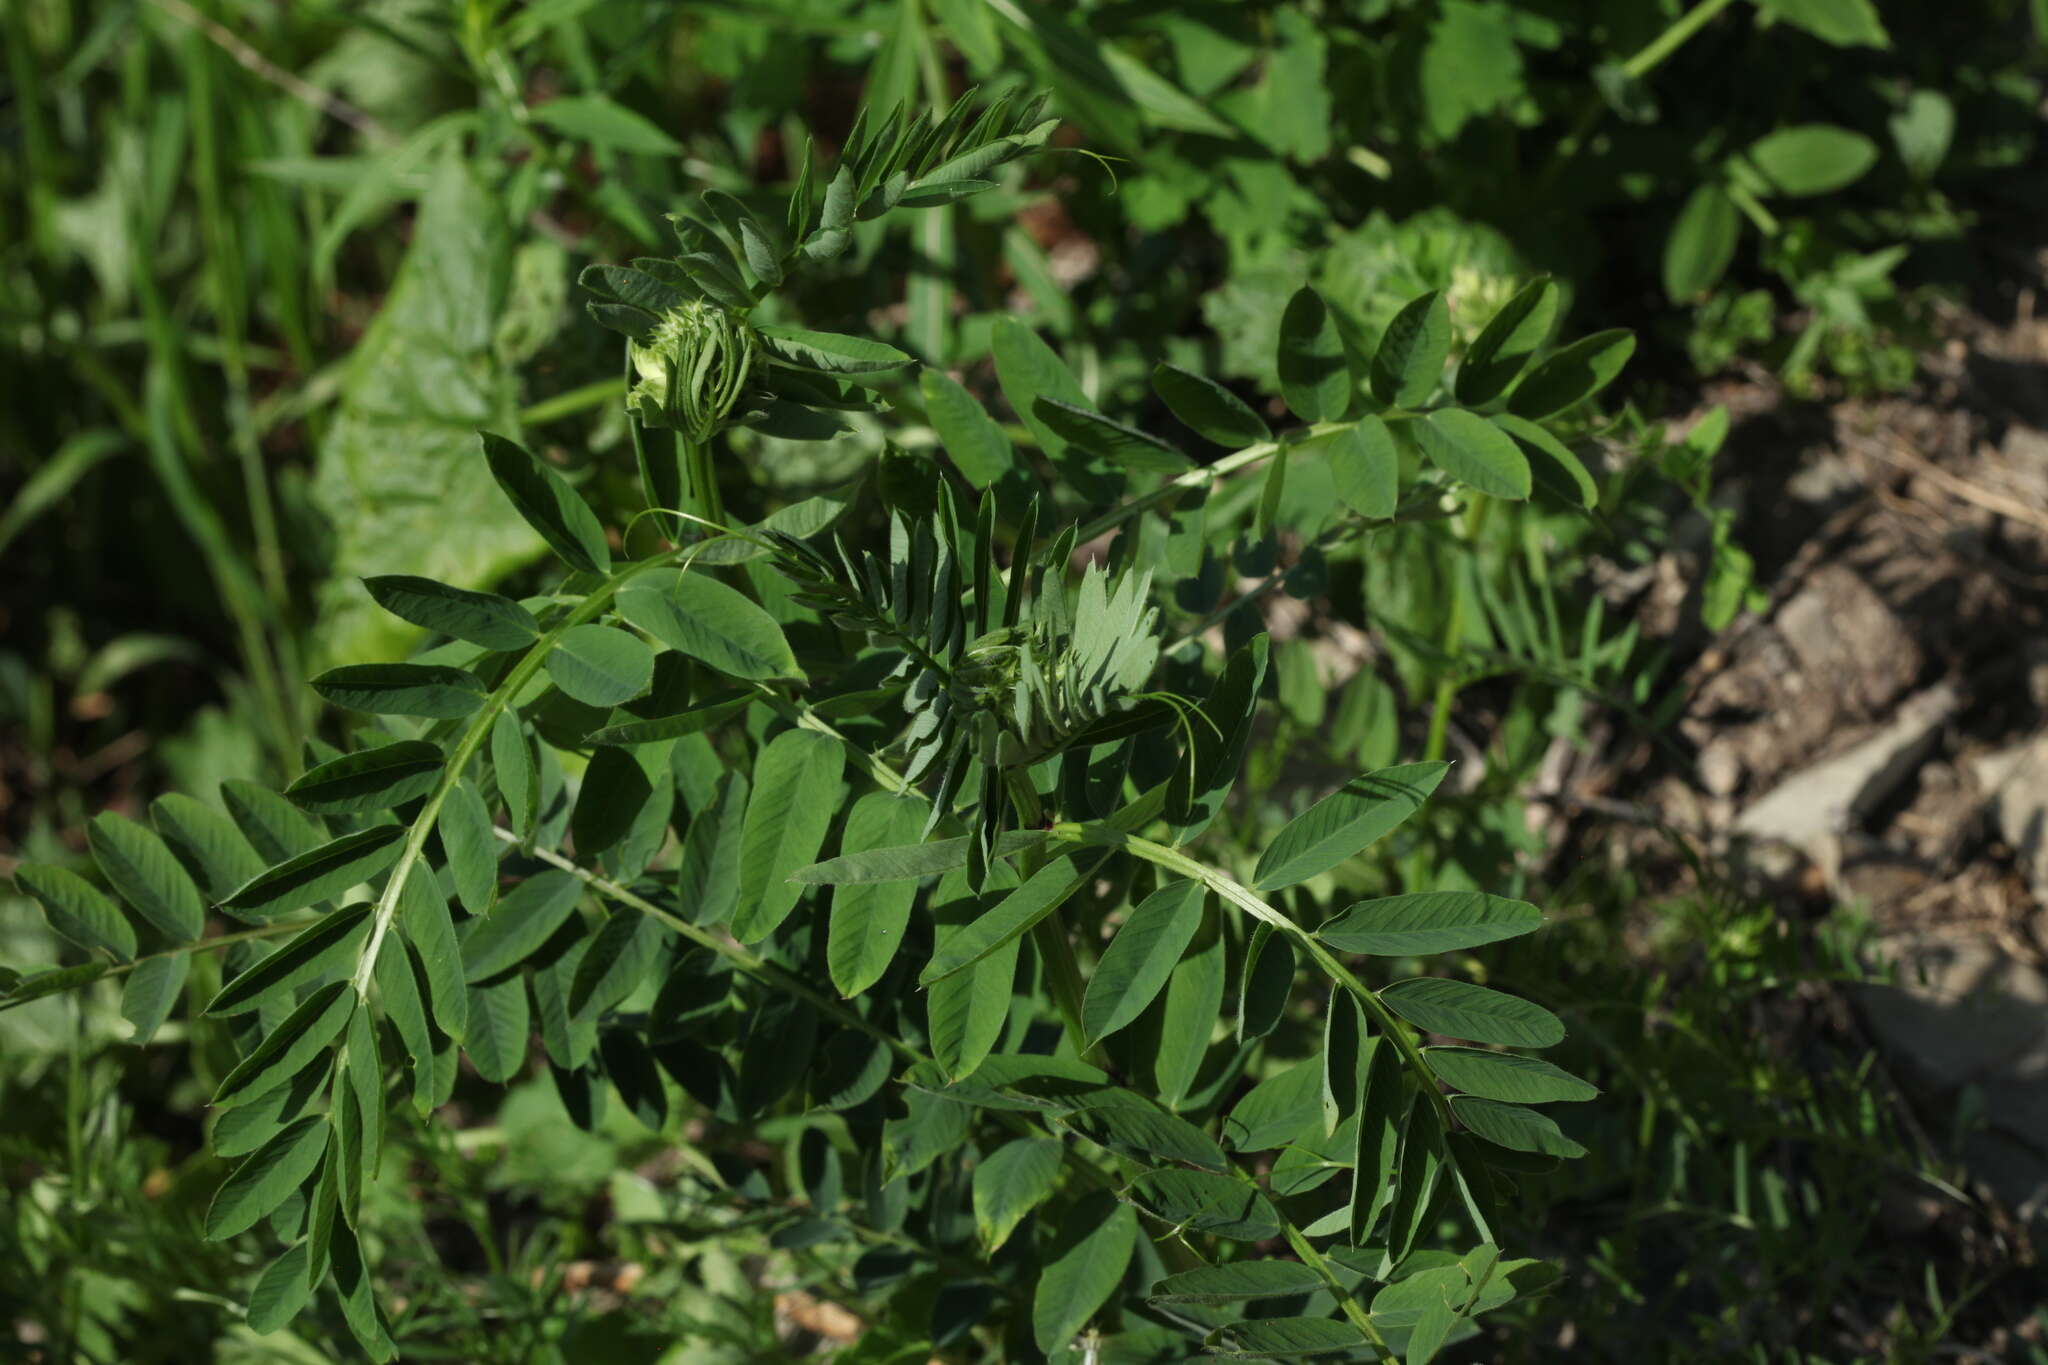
(77,910)
(370,780)
(1207,408)
(1200,1201)
(1237,1282)
(480,618)
(1314,376)
(1409,360)
(144,873)
(1507,341)
(526,917)
(319,874)
(430,690)
(549,505)
(268,1177)
(327,943)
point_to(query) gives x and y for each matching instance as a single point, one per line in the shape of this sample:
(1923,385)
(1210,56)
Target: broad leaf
(1115,441)
(206,842)
(480,618)
(795,796)
(1473,451)
(1513,1127)
(1409,361)
(144,873)
(1283,1338)
(549,505)
(1552,465)
(370,780)
(268,1177)
(1366,467)
(711,622)
(429,690)
(1344,823)
(1702,243)
(1814,158)
(1507,1076)
(1428,922)
(1136,965)
(1201,1201)
(973,438)
(1207,408)
(526,917)
(1572,375)
(1009,1183)
(1082,1266)
(1012,916)
(601,665)
(1237,1282)
(464,824)
(77,910)
(1462,1010)
(151,991)
(319,874)
(305,1034)
(868,918)
(829,352)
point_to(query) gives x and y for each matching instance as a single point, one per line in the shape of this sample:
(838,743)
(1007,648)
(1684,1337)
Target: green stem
(1448,685)
(1173,860)
(1766,221)
(466,747)
(206,945)
(1652,54)
(1055,950)
(1353,1309)
(1647,59)
(773,975)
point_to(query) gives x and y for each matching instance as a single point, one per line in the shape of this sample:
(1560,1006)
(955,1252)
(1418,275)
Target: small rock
(1829,798)
(1847,639)
(2017,779)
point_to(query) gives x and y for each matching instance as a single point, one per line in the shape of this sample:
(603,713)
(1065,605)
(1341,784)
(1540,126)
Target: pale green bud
(694,369)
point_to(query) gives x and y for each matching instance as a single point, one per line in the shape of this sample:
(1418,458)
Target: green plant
(851,674)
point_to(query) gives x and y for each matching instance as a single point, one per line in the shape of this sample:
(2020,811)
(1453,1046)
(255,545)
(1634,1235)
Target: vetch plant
(887,825)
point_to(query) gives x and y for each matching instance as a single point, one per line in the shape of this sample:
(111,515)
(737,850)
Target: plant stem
(1647,59)
(1652,54)
(204,945)
(1173,860)
(1454,630)
(774,975)
(473,737)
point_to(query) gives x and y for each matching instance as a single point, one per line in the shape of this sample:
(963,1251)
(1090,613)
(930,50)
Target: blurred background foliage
(268,267)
